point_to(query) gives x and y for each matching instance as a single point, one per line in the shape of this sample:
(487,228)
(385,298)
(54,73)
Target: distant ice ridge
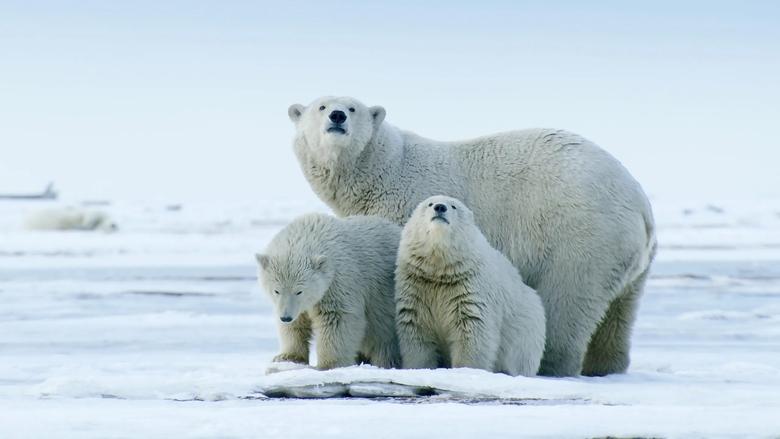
(70,218)
(161,235)
(725,230)
(166,218)
(228,233)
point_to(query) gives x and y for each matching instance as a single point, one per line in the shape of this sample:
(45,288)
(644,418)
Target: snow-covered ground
(159,330)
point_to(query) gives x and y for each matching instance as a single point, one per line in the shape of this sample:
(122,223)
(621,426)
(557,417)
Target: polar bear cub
(334,278)
(459,301)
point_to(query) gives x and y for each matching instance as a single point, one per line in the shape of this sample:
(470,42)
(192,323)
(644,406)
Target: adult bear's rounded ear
(295,112)
(378,114)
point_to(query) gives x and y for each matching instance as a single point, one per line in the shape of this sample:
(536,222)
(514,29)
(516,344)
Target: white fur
(70,218)
(459,301)
(567,214)
(334,277)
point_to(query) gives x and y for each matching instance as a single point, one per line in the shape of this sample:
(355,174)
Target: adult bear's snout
(337,116)
(440,208)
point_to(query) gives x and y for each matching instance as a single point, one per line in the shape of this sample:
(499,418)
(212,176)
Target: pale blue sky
(187,100)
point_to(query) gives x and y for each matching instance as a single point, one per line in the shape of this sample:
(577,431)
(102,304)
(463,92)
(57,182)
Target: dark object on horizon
(48,194)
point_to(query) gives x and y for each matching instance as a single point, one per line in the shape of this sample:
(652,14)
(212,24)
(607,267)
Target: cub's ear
(295,111)
(263,260)
(318,262)
(378,114)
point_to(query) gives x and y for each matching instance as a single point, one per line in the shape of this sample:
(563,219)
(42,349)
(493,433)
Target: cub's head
(295,283)
(440,222)
(336,128)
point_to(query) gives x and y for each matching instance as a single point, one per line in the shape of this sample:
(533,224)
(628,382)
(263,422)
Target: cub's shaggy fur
(334,277)
(567,214)
(460,302)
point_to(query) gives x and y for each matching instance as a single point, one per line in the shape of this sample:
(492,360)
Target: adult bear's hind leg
(609,348)
(574,306)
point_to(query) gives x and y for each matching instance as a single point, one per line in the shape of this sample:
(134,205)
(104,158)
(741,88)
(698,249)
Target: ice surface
(159,330)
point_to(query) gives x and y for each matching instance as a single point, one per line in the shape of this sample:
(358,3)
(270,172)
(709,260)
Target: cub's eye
(322,107)
(299,293)
(351,110)
(454,208)
(430,204)
(276,292)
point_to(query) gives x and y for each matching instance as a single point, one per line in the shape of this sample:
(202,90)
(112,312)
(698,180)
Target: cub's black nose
(439,208)
(337,116)
(286,319)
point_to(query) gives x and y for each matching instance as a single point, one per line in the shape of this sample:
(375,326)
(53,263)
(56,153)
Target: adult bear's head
(335,128)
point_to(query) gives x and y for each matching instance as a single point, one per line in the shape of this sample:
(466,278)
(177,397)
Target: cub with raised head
(459,301)
(334,278)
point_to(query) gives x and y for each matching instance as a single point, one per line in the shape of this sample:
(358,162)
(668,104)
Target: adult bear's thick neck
(358,186)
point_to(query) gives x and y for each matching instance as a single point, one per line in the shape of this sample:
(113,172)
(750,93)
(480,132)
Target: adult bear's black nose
(338,116)
(286,319)
(439,208)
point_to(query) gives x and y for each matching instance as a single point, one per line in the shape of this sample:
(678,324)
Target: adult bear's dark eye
(276,292)
(430,204)
(322,107)
(351,110)
(453,207)
(299,293)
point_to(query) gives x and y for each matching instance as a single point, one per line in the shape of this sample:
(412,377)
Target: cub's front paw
(292,358)
(284,366)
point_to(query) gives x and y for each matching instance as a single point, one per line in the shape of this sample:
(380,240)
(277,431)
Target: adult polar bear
(566,213)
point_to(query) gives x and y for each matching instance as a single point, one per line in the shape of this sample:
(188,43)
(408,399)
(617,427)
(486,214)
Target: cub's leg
(294,339)
(386,354)
(339,339)
(381,342)
(474,346)
(520,352)
(475,337)
(418,348)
